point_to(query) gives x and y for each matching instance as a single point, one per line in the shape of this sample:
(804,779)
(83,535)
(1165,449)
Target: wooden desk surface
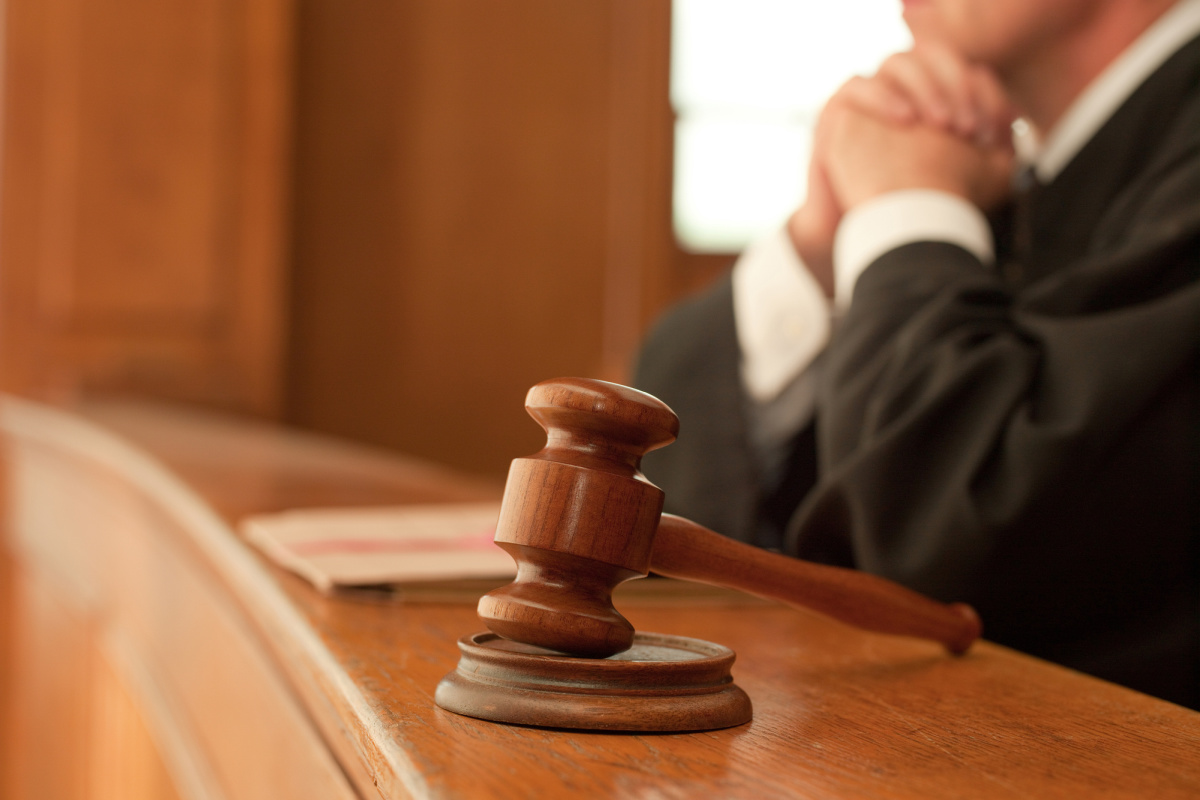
(837,712)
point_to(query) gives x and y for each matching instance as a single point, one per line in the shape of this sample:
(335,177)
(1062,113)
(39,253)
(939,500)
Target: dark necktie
(1020,251)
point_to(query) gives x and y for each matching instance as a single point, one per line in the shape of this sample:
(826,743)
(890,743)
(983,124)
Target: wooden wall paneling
(481,195)
(125,763)
(8,737)
(144,191)
(22,156)
(50,710)
(73,730)
(638,280)
(156,634)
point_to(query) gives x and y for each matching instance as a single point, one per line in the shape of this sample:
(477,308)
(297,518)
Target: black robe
(1025,438)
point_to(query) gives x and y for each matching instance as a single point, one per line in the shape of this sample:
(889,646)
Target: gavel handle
(683,549)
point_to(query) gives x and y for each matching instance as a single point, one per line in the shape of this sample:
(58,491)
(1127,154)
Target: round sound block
(662,683)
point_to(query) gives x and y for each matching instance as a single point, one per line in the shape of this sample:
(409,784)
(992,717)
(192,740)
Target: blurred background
(386,219)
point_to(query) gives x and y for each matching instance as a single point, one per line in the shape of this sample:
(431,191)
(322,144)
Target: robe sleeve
(976,441)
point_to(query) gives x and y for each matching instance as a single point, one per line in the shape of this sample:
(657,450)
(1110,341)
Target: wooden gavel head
(579,517)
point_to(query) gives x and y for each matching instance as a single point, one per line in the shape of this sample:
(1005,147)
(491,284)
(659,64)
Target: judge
(1006,410)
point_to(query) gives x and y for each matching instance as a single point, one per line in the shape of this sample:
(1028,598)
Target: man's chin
(927,26)
(923,21)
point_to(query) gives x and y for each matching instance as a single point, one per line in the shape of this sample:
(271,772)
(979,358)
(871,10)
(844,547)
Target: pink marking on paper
(323,547)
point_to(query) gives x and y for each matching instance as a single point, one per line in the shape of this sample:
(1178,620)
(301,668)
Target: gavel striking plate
(579,518)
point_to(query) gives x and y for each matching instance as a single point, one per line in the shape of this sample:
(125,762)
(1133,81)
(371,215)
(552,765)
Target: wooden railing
(150,653)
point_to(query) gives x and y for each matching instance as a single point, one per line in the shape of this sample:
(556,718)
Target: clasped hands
(925,120)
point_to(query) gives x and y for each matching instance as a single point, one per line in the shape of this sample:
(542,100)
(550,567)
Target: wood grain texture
(145,185)
(662,683)
(683,549)
(481,198)
(70,729)
(578,517)
(483,201)
(47,723)
(155,625)
(838,712)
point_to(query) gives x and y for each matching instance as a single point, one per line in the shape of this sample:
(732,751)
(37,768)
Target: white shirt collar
(1108,91)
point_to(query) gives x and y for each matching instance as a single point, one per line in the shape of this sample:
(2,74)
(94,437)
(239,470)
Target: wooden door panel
(159,257)
(144,197)
(482,203)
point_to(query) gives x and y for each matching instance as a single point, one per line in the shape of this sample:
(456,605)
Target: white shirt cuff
(781,315)
(899,218)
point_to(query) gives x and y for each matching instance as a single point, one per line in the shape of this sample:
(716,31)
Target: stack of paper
(405,544)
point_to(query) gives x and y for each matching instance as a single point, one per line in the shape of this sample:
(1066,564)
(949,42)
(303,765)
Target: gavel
(579,518)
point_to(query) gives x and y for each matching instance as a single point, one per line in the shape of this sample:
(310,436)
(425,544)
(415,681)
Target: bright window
(747,81)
